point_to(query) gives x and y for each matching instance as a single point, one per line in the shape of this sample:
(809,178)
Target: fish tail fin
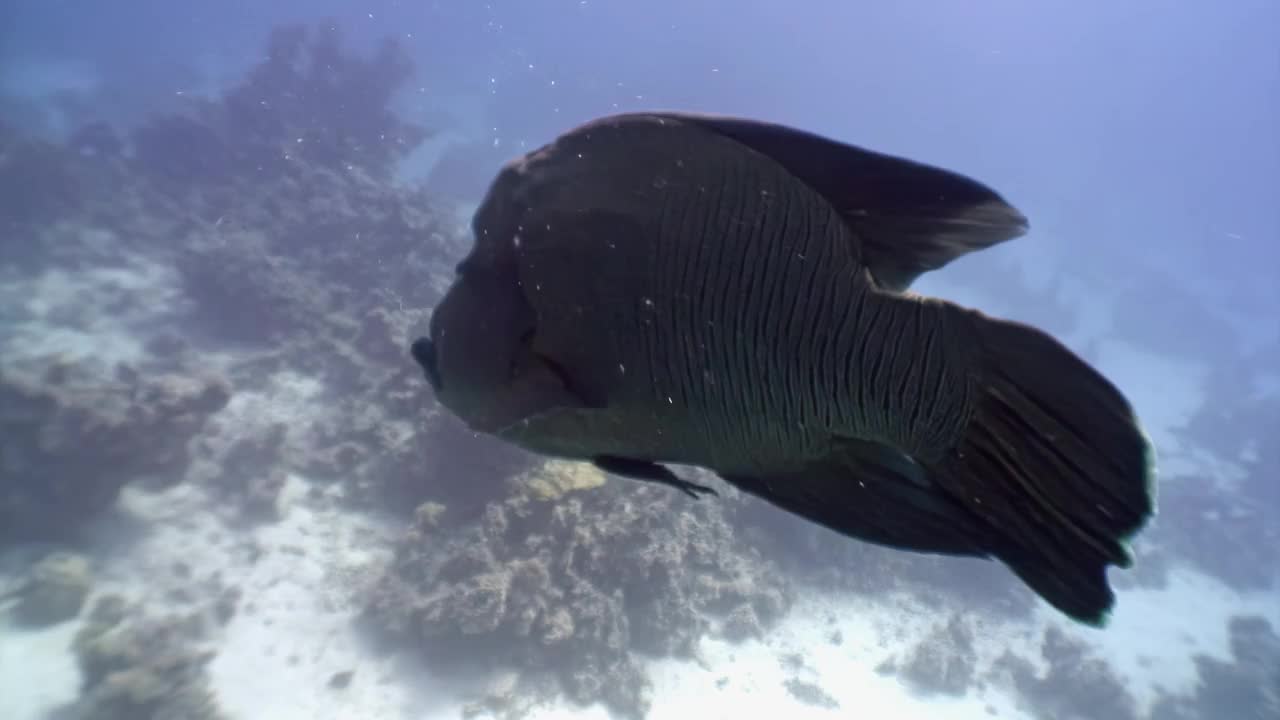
(1053,458)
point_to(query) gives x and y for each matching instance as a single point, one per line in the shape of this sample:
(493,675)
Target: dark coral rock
(811,694)
(43,185)
(244,472)
(182,151)
(332,108)
(309,103)
(445,462)
(71,439)
(341,680)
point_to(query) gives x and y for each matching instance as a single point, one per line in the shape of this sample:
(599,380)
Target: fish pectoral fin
(908,217)
(650,472)
(873,493)
(583,397)
(538,388)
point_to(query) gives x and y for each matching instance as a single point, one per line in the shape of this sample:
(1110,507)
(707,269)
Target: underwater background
(227,492)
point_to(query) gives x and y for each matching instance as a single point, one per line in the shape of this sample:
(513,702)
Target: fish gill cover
(268,275)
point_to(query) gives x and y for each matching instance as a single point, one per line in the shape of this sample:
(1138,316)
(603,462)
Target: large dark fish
(670,288)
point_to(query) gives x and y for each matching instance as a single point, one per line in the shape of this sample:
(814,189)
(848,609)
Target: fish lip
(423,351)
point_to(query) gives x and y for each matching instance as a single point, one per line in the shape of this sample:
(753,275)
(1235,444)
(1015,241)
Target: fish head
(470,355)
(478,355)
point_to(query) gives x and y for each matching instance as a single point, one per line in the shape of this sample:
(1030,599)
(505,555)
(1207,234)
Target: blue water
(1140,138)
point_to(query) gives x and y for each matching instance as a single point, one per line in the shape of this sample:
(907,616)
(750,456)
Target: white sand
(37,670)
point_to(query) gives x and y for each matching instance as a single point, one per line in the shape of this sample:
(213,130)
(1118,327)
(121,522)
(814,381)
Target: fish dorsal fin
(909,217)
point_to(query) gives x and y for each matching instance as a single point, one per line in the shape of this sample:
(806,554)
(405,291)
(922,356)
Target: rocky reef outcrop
(574,578)
(70,439)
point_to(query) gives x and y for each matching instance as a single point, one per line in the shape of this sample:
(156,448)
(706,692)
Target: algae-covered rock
(555,478)
(56,590)
(943,663)
(136,666)
(741,624)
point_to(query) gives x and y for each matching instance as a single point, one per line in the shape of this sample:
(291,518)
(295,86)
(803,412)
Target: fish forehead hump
(639,167)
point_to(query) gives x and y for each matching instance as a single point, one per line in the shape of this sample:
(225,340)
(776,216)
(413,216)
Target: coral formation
(138,666)
(577,578)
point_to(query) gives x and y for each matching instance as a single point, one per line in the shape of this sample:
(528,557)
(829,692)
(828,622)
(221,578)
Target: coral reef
(275,205)
(943,662)
(575,579)
(70,439)
(1077,684)
(1247,688)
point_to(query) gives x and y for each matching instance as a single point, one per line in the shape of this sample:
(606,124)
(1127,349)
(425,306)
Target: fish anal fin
(648,471)
(908,217)
(873,493)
